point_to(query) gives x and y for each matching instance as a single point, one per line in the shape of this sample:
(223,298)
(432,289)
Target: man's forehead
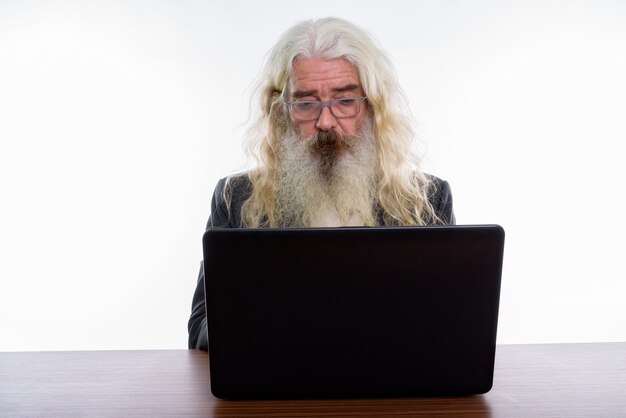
(309,73)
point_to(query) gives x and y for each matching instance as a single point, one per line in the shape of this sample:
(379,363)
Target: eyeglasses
(345,107)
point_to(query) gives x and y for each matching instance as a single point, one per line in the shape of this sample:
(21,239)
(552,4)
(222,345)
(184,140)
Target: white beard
(317,189)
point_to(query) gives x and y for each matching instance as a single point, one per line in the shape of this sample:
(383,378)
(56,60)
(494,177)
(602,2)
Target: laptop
(352,312)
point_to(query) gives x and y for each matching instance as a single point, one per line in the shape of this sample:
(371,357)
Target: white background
(117,119)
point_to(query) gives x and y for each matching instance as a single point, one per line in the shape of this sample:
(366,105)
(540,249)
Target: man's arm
(441,199)
(196,326)
(446,211)
(220,217)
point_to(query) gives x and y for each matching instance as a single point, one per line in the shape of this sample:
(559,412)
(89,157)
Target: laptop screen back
(352,312)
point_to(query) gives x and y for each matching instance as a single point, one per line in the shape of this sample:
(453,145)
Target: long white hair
(402,188)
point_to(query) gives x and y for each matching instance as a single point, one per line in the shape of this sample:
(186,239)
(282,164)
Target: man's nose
(326,120)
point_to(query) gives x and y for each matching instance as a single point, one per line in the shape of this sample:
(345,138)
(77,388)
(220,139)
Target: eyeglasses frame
(328,104)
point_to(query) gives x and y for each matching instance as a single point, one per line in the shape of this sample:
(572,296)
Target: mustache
(330,144)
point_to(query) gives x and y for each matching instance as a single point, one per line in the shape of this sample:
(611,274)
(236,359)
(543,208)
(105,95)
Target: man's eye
(304,106)
(347,102)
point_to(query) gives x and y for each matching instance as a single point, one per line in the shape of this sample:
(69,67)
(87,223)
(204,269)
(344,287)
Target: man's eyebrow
(349,87)
(304,93)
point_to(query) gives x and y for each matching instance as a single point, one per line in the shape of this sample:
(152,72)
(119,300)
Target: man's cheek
(305,130)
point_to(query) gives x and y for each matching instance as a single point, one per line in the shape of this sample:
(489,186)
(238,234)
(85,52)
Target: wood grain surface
(553,380)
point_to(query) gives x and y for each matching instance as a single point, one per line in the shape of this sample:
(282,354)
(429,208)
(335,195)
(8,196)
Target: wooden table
(554,380)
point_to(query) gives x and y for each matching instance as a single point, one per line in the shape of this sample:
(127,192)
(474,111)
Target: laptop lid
(352,312)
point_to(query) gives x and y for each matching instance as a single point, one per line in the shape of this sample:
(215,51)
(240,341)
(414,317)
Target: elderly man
(333,144)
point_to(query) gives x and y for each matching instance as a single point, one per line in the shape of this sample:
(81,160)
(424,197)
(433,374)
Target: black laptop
(352,312)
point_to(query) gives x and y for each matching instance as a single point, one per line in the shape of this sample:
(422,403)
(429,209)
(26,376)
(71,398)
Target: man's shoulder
(234,184)
(228,197)
(436,185)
